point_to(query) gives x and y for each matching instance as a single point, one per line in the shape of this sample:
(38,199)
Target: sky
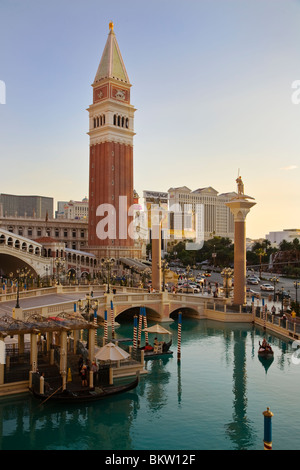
(212,82)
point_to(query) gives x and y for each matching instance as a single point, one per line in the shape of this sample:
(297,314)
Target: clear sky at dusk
(211,81)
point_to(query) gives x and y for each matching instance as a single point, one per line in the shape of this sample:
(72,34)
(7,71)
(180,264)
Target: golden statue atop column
(240,207)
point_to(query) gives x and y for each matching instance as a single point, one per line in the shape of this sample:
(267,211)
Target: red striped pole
(179,336)
(145,324)
(95,321)
(134,331)
(105,326)
(140,326)
(112,320)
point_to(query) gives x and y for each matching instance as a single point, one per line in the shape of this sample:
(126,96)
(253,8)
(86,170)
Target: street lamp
(165,269)
(60,263)
(282,290)
(227,274)
(188,268)
(107,263)
(21,274)
(274,280)
(296,285)
(88,307)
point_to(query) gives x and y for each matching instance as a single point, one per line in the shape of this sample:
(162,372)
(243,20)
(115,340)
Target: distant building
(73,233)
(73,209)
(288,234)
(217,217)
(31,206)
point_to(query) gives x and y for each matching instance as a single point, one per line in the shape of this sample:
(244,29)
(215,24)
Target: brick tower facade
(111,131)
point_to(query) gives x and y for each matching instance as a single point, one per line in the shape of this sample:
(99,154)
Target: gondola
(265,351)
(84,395)
(150,353)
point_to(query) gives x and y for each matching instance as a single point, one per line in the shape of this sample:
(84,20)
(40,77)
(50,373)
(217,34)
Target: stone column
(240,207)
(33,352)
(156,257)
(63,358)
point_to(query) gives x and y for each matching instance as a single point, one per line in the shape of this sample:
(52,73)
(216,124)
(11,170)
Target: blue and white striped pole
(267,429)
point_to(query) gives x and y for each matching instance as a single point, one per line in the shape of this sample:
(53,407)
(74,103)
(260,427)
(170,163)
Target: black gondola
(152,353)
(265,351)
(84,395)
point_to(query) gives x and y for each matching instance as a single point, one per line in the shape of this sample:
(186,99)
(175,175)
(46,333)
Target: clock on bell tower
(111,131)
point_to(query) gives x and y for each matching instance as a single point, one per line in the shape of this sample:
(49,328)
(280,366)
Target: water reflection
(240,430)
(216,365)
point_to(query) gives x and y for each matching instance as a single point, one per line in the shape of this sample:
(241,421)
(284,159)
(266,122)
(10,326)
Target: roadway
(39,301)
(287,284)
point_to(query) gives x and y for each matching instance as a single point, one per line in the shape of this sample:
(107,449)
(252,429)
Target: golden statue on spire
(111,26)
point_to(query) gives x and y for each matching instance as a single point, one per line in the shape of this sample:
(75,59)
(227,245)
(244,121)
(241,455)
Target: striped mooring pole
(264,312)
(145,325)
(105,325)
(95,320)
(140,326)
(135,332)
(112,319)
(179,336)
(267,429)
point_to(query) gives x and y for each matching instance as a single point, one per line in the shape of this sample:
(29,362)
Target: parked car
(188,289)
(267,287)
(253,293)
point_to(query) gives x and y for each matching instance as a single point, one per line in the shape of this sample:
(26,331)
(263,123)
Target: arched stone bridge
(159,306)
(39,256)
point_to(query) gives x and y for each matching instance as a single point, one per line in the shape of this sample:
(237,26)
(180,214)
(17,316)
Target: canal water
(212,399)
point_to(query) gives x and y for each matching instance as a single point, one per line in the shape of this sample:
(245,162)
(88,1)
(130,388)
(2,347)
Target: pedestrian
(273,310)
(94,369)
(80,363)
(84,376)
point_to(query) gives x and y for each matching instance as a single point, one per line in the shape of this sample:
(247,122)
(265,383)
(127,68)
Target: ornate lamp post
(165,269)
(227,274)
(88,306)
(274,280)
(21,274)
(47,278)
(107,264)
(296,285)
(188,268)
(59,263)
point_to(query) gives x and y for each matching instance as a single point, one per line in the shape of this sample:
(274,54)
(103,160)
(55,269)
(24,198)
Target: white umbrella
(111,352)
(157,329)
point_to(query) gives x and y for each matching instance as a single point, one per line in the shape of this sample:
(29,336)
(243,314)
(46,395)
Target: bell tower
(111,131)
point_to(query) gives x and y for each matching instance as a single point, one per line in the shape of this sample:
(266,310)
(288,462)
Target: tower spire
(111,64)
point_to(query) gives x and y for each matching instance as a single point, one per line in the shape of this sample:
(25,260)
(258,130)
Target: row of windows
(121,121)
(21,232)
(99,120)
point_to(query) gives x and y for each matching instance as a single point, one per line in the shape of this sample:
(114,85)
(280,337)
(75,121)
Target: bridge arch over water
(126,314)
